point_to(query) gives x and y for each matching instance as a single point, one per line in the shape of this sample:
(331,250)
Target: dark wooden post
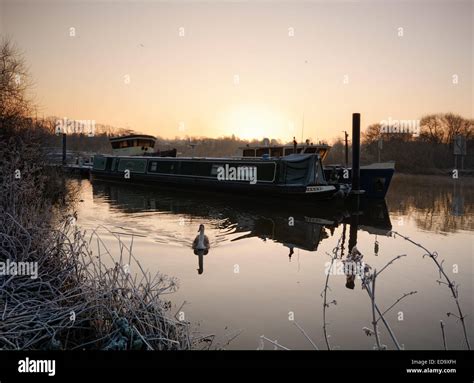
(64,148)
(356,152)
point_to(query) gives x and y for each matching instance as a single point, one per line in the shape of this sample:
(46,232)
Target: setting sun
(253,121)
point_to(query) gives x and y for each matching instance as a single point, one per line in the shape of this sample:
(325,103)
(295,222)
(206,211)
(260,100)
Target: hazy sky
(238,69)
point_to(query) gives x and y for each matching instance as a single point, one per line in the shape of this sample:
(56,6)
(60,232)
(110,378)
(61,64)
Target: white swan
(201,242)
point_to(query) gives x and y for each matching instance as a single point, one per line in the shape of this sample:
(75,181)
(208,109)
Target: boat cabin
(284,150)
(133,145)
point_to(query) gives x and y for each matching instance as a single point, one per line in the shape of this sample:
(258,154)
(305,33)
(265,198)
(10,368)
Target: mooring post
(64,148)
(355,152)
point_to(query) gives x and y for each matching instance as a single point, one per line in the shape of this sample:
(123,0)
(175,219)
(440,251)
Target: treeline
(430,150)
(186,146)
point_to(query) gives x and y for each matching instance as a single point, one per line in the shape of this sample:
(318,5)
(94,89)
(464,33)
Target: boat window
(146,143)
(187,168)
(109,163)
(166,167)
(114,164)
(319,173)
(121,144)
(310,150)
(265,172)
(261,151)
(277,152)
(99,162)
(214,169)
(379,184)
(249,153)
(203,169)
(289,151)
(134,165)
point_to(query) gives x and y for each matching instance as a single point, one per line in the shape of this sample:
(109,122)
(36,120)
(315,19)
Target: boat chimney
(355,152)
(346,151)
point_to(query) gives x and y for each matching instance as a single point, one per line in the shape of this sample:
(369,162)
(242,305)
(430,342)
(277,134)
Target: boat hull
(374,179)
(310,192)
(299,175)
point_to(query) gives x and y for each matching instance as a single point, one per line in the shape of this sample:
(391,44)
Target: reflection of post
(457,200)
(354,223)
(354,226)
(343,241)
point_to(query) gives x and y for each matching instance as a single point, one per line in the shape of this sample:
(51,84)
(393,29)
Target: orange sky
(239,70)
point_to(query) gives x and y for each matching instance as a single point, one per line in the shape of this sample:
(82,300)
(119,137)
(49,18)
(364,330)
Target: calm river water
(267,261)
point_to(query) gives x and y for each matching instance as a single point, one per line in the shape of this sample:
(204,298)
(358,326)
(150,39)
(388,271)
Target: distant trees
(433,129)
(337,153)
(371,134)
(430,149)
(205,146)
(442,128)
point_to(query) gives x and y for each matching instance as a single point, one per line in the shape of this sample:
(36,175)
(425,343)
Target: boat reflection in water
(302,226)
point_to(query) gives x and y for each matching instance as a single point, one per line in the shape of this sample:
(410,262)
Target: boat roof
(133,136)
(290,158)
(286,146)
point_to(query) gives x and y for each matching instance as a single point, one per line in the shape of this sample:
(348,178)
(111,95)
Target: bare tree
(14,83)
(432,129)
(372,133)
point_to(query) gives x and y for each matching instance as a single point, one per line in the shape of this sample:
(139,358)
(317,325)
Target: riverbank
(82,294)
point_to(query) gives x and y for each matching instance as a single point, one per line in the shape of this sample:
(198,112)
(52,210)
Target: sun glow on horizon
(248,121)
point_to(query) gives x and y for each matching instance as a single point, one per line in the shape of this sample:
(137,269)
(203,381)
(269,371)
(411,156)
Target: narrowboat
(282,170)
(294,175)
